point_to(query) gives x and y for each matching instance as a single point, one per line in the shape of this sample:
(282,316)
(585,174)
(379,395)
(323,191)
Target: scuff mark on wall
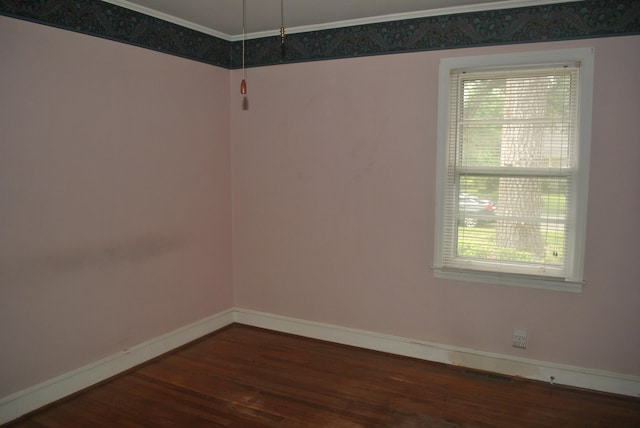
(69,261)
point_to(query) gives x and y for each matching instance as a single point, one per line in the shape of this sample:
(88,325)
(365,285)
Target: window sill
(526,281)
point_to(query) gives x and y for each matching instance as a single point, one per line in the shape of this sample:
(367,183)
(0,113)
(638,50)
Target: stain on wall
(62,262)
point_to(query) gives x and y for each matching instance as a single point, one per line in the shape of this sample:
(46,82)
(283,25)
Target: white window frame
(573,279)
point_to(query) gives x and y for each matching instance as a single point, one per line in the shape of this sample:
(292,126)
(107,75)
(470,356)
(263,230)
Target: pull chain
(282,48)
(243,84)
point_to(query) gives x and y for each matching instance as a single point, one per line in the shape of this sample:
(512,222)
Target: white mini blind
(511,170)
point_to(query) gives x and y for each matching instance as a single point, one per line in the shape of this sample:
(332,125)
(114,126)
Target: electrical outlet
(519,338)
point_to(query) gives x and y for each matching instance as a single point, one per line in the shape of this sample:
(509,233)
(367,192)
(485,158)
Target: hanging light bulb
(243,84)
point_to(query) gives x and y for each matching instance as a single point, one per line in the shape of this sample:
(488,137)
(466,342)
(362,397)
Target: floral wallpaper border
(102,19)
(563,21)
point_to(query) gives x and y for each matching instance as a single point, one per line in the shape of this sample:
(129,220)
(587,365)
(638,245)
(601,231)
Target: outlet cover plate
(519,338)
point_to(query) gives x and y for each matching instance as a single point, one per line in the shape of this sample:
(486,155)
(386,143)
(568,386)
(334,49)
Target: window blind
(511,170)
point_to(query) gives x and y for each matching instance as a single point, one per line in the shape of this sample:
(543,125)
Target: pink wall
(115,220)
(115,205)
(333,205)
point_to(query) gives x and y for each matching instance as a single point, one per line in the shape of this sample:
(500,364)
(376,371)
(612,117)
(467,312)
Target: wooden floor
(248,377)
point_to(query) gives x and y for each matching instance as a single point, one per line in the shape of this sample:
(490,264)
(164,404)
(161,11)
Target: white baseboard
(30,399)
(579,377)
(22,402)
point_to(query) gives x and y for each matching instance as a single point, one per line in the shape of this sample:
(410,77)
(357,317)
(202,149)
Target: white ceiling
(223,18)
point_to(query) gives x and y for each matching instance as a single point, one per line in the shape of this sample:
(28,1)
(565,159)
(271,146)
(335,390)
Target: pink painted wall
(333,205)
(116,189)
(115,220)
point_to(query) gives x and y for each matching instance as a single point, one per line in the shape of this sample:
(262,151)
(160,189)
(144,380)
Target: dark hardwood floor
(247,377)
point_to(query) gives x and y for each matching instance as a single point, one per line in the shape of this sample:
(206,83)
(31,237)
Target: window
(513,158)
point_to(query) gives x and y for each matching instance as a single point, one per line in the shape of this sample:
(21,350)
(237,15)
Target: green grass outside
(554,204)
(480,243)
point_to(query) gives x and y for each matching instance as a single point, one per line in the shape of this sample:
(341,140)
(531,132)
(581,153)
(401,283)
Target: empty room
(343,213)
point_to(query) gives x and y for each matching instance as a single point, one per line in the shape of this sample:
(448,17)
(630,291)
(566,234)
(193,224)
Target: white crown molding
(22,402)
(169,18)
(401,16)
(509,4)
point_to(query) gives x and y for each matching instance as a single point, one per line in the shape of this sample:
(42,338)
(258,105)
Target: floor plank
(248,377)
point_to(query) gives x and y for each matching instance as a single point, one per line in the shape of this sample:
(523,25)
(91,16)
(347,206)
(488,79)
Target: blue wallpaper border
(105,20)
(554,22)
